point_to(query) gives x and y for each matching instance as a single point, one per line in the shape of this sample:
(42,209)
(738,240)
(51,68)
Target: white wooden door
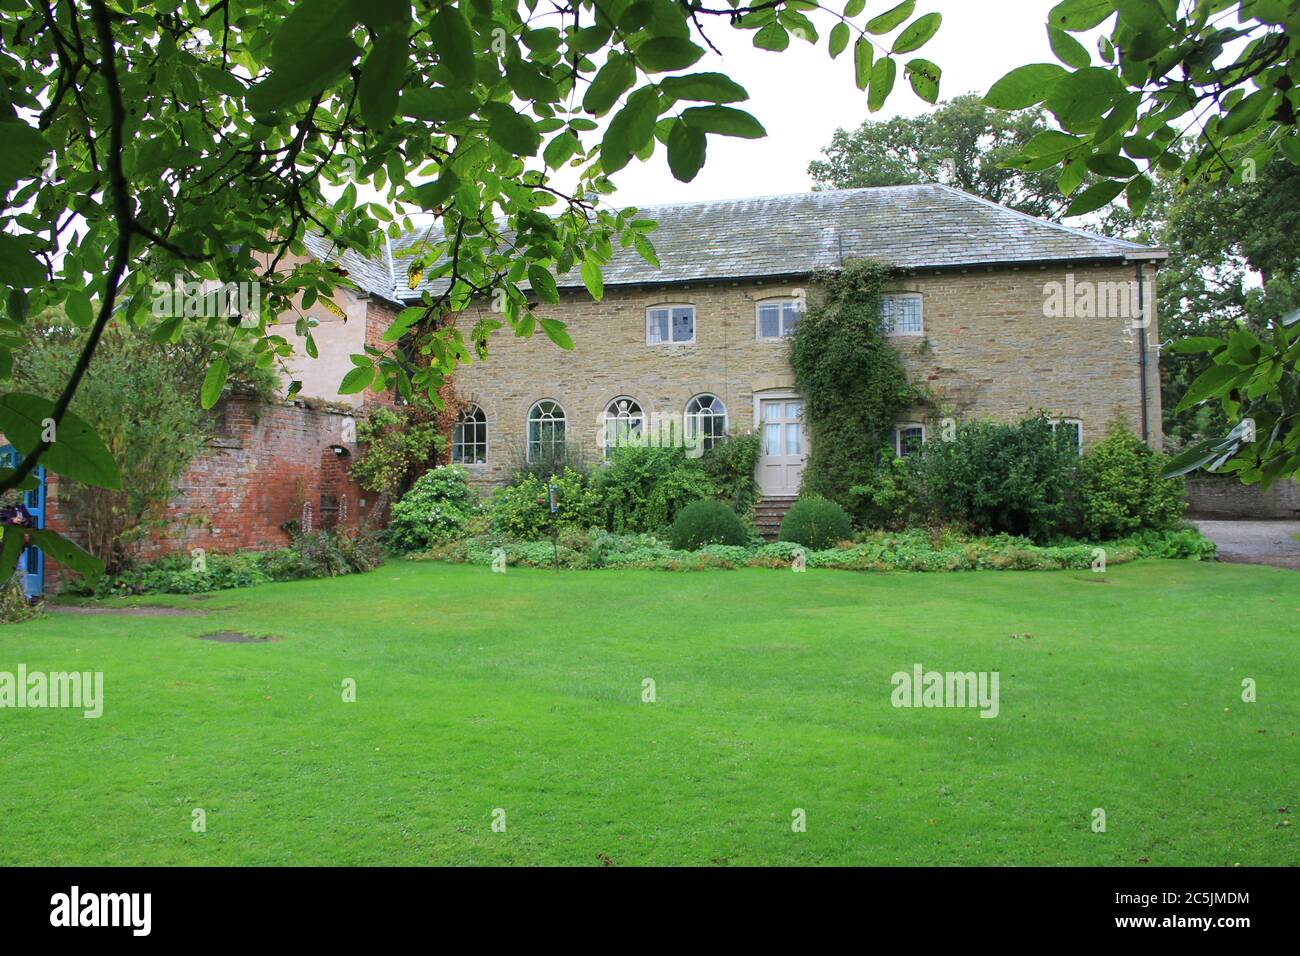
(785,446)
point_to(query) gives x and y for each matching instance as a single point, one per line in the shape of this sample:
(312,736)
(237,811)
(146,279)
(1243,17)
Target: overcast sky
(802,96)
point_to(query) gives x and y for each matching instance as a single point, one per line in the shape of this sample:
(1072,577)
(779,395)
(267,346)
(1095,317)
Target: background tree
(202,137)
(963,143)
(142,400)
(1221,78)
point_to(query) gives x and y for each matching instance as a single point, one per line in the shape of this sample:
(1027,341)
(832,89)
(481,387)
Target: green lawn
(523,692)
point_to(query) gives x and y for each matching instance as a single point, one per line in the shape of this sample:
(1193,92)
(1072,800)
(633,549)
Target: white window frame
(668,307)
(781,301)
(1076,422)
(486,443)
(528,426)
(898,296)
(606,418)
(697,418)
(898,435)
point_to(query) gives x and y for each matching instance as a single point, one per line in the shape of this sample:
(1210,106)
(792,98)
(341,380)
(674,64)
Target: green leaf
(918,33)
(560,149)
(1080,98)
(214,382)
(772,37)
(664,53)
(66,552)
(543,283)
(1024,86)
(24,151)
(863,52)
(378,14)
(381,79)
(854,7)
(1094,197)
(10,548)
(554,330)
(924,77)
(300,78)
(883,75)
(450,36)
(77,307)
(358,379)
(891,18)
(707,87)
(438,105)
(513,132)
(1079,15)
(612,80)
(631,128)
(1111,164)
(592,279)
(1214,380)
(724,120)
(1137,194)
(166,331)
(839,39)
(1067,49)
(686,150)
(76,451)
(432,195)
(1144,16)
(529,83)
(18,266)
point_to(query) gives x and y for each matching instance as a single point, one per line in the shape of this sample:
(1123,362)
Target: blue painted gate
(32,560)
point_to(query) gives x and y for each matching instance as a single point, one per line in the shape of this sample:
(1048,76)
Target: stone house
(996,314)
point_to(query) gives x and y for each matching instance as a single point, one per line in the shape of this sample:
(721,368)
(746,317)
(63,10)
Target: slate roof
(913,227)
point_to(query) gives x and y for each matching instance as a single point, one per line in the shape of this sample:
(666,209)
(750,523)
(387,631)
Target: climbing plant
(851,378)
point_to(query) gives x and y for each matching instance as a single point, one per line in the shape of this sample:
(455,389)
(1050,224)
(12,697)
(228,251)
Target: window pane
(658,325)
(887,312)
(769,321)
(791,315)
(792,438)
(771,439)
(793,410)
(909,314)
(771,411)
(909,441)
(683,324)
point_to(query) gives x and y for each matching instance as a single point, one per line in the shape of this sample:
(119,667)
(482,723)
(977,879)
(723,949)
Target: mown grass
(523,691)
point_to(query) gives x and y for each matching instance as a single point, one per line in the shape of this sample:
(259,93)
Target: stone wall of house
(265,462)
(988,350)
(1224,498)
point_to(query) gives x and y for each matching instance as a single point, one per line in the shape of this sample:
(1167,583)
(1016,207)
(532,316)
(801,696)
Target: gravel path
(1256,542)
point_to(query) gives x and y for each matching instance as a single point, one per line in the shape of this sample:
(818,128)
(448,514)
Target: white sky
(802,96)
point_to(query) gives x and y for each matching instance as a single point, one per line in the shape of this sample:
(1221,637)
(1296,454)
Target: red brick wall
(266,460)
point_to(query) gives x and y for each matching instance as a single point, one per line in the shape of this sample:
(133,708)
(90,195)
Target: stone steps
(768,515)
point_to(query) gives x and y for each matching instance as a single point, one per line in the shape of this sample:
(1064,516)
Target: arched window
(622,423)
(469,437)
(706,416)
(545,431)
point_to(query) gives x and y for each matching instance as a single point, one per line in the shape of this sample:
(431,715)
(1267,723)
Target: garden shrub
(14,606)
(935,550)
(816,523)
(994,477)
(436,509)
(1120,490)
(396,445)
(522,511)
(730,465)
(852,379)
(890,498)
(706,522)
(641,489)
